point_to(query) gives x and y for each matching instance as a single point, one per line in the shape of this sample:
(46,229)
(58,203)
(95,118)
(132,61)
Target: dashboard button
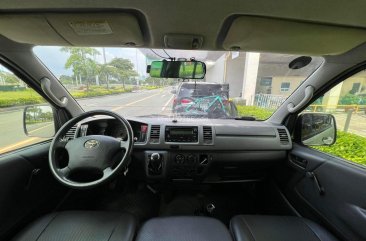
(191,159)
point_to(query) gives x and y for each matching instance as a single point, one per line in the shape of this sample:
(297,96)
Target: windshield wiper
(247,118)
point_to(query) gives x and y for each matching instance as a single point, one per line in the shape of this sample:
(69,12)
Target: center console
(175,163)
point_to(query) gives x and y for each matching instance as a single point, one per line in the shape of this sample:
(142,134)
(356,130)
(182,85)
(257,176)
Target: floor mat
(227,202)
(143,204)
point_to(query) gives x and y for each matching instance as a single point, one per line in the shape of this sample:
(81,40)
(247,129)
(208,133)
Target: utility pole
(96,75)
(137,67)
(105,66)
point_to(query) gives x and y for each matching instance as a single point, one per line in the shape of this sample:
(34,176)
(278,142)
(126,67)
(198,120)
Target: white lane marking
(167,103)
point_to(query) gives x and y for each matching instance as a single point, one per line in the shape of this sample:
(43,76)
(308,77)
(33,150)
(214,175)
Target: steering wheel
(100,155)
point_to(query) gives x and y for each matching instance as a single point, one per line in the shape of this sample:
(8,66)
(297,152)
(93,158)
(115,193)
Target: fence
(337,108)
(268,101)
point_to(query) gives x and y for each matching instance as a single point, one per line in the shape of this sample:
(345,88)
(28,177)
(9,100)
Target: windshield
(236,84)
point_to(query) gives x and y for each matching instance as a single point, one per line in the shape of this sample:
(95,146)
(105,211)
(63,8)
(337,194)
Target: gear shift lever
(155,164)
(155,156)
(210,208)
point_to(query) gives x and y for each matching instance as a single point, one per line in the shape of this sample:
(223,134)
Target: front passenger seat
(81,226)
(277,228)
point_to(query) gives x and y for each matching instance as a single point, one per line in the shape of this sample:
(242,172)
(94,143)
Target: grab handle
(46,87)
(309,91)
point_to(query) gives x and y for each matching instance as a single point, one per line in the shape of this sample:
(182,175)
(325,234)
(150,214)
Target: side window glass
(25,117)
(347,103)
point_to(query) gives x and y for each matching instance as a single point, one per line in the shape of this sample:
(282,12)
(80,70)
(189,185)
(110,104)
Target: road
(145,102)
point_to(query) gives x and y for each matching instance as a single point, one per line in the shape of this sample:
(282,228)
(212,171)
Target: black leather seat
(183,229)
(81,226)
(277,228)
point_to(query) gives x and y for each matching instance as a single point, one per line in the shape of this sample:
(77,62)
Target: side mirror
(38,121)
(317,129)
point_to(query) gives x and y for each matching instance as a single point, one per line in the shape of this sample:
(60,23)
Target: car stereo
(181,134)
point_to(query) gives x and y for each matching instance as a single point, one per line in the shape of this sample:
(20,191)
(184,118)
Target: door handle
(313,176)
(302,163)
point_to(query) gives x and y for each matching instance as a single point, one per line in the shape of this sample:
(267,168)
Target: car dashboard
(196,150)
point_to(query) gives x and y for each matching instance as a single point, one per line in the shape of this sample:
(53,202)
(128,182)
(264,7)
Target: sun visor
(94,29)
(259,34)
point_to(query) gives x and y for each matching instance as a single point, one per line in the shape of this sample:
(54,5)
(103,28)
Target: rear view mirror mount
(177,69)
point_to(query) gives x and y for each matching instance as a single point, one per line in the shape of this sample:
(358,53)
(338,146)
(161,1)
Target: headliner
(206,18)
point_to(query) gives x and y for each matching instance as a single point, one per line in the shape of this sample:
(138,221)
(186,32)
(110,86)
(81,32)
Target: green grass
(257,112)
(348,146)
(19,98)
(98,91)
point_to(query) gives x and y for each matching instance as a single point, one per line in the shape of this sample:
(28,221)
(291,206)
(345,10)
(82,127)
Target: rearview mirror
(317,129)
(177,69)
(38,121)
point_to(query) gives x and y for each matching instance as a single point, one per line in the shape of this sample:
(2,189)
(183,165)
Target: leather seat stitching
(48,224)
(250,231)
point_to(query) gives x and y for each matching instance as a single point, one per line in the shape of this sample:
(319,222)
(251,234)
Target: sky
(55,60)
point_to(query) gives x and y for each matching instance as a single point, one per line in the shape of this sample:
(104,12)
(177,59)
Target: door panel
(333,189)
(27,188)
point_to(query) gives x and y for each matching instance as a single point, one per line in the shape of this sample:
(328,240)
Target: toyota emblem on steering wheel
(91,144)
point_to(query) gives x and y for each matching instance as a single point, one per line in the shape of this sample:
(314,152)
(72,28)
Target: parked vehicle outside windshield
(236,84)
(203,99)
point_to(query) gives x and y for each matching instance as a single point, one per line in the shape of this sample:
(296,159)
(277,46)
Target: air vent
(283,136)
(70,134)
(155,133)
(207,134)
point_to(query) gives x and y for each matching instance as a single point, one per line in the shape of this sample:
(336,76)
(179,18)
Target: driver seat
(81,226)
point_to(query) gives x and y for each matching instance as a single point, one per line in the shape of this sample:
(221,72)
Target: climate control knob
(179,159)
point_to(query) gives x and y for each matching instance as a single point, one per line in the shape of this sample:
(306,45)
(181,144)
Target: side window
(347,103)
(25,117)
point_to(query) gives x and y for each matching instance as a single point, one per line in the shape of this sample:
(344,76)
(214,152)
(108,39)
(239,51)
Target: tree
(9,78)
(65,79)
(159,81)
(82,62)
(106,70)
(123,69)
